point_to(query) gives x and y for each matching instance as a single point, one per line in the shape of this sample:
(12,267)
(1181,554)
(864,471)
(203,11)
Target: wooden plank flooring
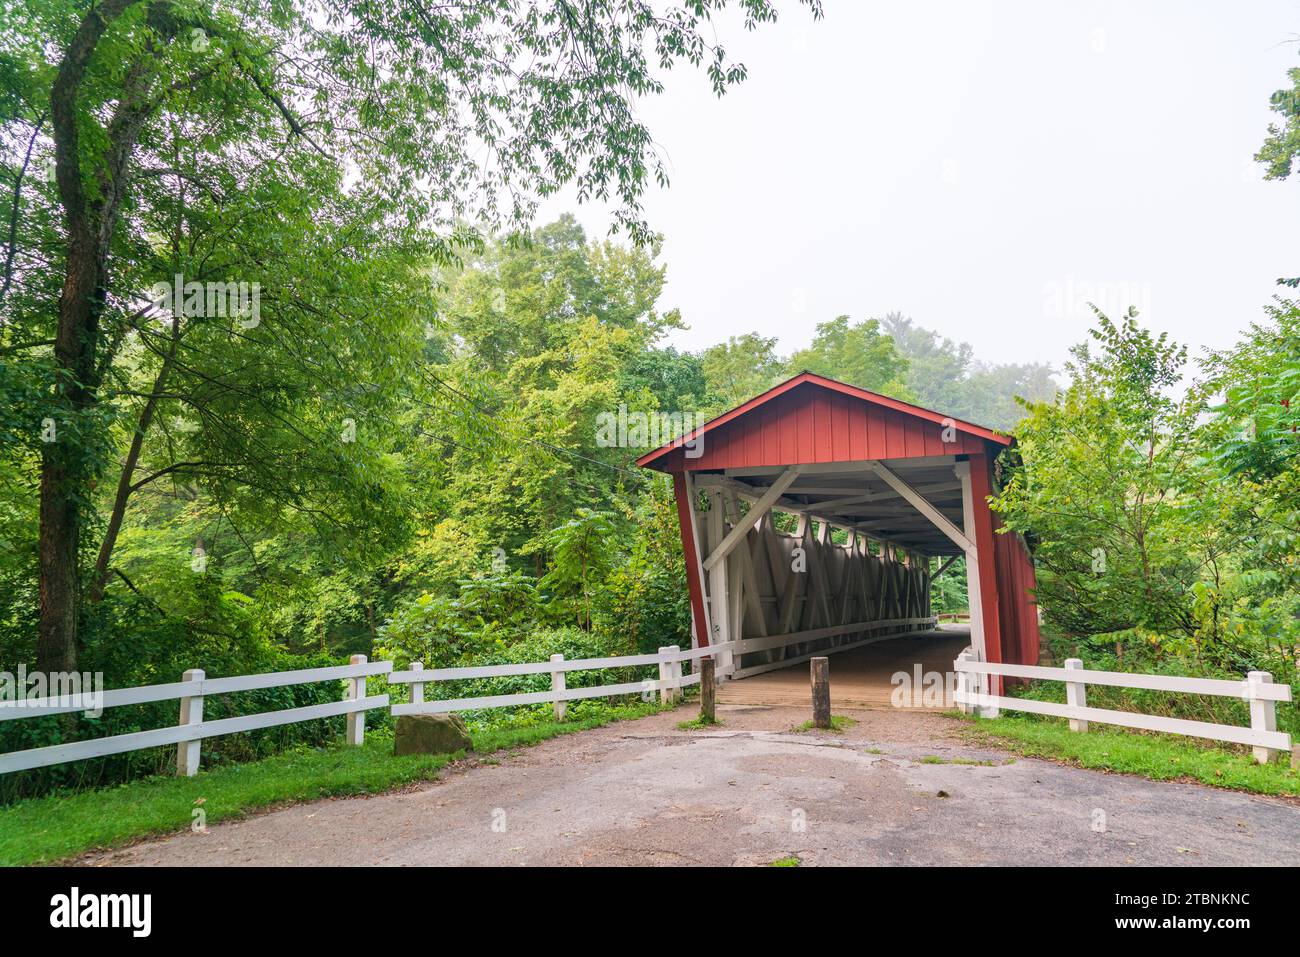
(860,677)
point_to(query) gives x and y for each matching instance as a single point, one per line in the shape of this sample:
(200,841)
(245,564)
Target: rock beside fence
(431,734)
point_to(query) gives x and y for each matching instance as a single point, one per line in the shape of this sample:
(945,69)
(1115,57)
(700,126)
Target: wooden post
(821,692)
(557,684)
(417,687)
(1076,694)
(187,752)
(708,697)
(1263,714)
(355,692)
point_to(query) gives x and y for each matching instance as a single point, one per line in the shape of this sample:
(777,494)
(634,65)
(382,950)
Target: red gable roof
(824,421)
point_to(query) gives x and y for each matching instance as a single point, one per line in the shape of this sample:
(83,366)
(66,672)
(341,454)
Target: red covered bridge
(883,497)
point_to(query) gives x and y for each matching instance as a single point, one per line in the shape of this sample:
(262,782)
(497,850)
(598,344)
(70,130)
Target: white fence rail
(192,729)
(1257,688)
(670,681)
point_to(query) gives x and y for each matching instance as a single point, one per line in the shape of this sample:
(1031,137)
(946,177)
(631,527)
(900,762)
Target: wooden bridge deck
(860,677)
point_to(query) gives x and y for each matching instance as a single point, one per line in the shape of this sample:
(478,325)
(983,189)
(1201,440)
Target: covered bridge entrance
(879,498)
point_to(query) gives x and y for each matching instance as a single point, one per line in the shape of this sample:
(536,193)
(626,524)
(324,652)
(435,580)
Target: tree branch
(12,245)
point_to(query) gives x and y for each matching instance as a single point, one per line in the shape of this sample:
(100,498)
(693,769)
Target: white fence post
(1076,694)
(984,682)
(976,683)
(1263,714)
(665,673)
(675,671)
(187,752)
(417,687)
(558,684)
(727,661)
(355,692)
(960,691)
(963,683)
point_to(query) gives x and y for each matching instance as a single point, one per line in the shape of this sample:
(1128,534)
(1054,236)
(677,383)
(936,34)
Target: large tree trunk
(56,646)
(63,466)
(64,477)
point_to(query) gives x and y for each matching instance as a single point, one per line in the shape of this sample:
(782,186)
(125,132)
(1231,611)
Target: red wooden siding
(813,424)
(1016,584)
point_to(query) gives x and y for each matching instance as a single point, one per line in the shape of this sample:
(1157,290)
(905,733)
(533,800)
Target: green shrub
(131,645)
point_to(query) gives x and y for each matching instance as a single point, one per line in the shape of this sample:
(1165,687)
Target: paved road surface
(644,792)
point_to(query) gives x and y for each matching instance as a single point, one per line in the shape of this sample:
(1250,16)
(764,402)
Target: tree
(1253,437)
(1112,493)
(156,103)
(946,376)
(936,368)
(741,368)
(861,355)
(1281,148)
(581,557)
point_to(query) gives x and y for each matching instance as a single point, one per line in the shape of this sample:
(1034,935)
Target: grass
(1157,756)
(935,759)
(698,723)
(839,722)
(790,861)
(50,829)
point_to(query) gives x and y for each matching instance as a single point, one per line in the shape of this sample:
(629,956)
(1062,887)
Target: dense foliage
(1164,513)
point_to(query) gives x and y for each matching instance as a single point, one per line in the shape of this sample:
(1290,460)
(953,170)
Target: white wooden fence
(192,729)
(670,681)
(1257,688)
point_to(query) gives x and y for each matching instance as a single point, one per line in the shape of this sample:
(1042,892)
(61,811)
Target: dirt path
(862,676)
(644,792)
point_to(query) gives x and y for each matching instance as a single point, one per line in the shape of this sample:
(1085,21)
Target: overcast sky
(983,167)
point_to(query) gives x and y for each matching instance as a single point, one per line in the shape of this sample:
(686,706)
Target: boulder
(431,734)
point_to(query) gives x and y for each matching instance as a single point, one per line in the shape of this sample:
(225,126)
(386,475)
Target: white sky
(982,167)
